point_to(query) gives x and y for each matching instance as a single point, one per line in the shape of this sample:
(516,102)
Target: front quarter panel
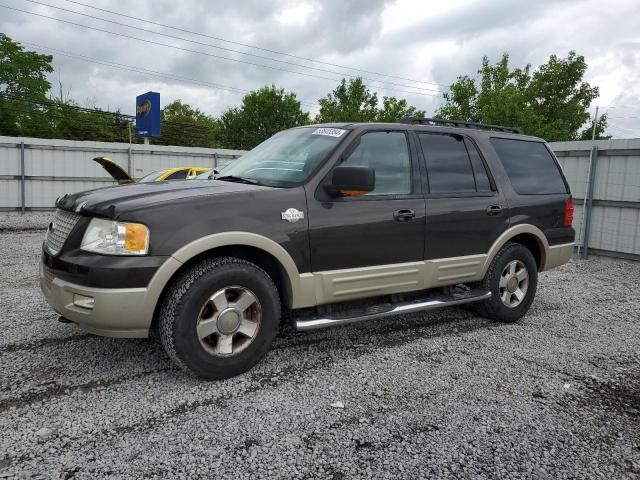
(174,225)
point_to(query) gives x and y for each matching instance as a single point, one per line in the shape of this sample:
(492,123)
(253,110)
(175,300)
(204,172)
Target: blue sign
(148,115)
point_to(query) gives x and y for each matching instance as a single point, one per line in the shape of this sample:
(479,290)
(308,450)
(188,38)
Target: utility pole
(583,223)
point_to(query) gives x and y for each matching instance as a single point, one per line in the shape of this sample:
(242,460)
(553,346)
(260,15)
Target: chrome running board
(389,309)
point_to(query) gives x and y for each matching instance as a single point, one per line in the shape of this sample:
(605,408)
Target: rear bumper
(558,255)
(116,312)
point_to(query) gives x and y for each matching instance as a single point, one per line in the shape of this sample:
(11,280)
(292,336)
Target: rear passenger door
(465,210)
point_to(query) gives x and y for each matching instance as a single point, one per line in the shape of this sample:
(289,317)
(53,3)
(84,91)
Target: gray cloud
(443,41)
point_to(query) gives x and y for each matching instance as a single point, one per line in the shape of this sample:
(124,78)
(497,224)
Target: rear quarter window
(531,168)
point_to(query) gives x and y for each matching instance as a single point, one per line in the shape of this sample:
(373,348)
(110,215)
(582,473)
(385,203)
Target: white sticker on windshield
(330,132)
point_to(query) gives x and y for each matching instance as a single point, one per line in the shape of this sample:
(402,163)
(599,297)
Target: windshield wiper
(233,178)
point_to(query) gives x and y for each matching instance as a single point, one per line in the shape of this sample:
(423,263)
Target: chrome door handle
(404,215)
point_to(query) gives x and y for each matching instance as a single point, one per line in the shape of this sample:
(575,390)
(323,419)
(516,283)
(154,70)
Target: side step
(390,309)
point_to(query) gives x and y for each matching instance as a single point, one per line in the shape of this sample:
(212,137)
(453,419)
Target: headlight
(115,238)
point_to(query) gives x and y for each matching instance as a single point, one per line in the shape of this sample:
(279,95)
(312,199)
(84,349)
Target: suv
(322,225)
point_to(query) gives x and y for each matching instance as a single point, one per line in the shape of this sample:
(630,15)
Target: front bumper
(116,312)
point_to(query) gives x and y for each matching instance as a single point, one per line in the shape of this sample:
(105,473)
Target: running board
(389,309)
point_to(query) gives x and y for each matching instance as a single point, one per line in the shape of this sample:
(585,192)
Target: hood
(115,170)
(113,201)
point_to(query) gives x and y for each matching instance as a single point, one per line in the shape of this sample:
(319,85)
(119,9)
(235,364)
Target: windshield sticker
(329,132)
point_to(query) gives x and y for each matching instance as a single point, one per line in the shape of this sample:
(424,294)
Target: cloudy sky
(407,48)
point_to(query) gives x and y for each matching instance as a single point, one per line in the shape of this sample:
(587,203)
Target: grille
(63,223)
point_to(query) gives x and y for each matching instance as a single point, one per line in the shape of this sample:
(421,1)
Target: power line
(223,48)
(153,42)
(146,71)
(89,132)
(253,46)
(188,131)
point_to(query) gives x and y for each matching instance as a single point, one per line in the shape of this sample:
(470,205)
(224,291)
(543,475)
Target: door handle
(494,210)
(404,215)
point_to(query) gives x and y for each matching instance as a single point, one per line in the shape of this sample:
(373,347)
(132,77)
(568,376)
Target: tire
(219,317)
(501,286)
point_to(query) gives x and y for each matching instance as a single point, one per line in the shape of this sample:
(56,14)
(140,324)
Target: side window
(179,175)
(530,167)
(448,164)
(480,172)
(388,154)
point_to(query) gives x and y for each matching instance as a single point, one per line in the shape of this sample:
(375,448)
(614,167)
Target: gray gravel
(438,395)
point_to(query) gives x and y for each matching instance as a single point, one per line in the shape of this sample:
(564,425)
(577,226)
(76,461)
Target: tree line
(551,101)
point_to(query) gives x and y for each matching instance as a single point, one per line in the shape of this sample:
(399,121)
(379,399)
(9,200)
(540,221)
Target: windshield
(204,175)
(150,177)
(287,158)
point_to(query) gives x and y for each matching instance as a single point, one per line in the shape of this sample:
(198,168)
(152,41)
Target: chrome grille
(63,223)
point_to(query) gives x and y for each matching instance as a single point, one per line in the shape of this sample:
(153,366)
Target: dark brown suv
(408,216)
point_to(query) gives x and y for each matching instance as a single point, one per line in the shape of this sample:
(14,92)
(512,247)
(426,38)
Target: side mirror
(351,181)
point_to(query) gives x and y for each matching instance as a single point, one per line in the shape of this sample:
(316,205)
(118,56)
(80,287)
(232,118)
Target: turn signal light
(136,237)
(568,212)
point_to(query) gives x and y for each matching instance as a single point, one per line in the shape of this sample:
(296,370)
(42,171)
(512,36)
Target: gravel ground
(438,395)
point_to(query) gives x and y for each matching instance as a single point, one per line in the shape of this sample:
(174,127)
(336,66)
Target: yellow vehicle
(175,173)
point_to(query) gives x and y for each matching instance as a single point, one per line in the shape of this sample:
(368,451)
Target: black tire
(183,304)
(494,308)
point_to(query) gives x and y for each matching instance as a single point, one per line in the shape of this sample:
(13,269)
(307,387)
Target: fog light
(83,301)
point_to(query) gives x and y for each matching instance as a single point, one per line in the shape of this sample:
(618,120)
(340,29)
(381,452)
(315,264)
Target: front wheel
(512,279)
(219,318)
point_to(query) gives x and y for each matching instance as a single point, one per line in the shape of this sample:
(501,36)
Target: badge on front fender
(292,215)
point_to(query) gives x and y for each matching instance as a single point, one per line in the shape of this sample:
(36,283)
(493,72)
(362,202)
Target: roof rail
(443,122)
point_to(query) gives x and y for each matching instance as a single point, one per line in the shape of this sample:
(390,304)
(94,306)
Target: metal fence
(606,196)
(34,171)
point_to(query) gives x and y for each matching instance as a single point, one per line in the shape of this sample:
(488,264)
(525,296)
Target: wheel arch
(262,251)
(525,234)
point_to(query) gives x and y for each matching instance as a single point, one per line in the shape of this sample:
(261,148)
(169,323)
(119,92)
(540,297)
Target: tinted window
(482,179)
(179,175)
(530,167)
(388,154)
(448,164)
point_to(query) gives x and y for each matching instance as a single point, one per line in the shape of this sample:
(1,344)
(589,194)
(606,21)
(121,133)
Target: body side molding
(317,288)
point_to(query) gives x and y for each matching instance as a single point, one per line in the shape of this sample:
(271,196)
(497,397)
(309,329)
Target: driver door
(361,245)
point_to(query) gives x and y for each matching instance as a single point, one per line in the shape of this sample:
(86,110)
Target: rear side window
(530,167)
(453,165)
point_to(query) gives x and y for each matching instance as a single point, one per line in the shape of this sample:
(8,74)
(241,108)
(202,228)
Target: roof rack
(443,122)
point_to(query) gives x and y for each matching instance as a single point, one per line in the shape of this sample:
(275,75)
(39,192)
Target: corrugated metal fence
(610,222)
(35,171)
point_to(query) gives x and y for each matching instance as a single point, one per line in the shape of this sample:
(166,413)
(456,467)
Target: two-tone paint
(342,249)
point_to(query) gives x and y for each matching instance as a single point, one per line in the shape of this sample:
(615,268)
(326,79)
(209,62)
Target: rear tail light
(568,213)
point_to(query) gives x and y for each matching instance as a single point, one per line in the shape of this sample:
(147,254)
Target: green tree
(23,88)
(354,102)
(69,121)
(182,124)
(551,102)
(263,113)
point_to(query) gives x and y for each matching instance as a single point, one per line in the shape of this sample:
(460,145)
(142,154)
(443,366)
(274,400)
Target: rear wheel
(512,279)
(219,317)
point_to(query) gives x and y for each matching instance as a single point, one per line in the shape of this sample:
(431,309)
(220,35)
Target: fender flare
(508,234)
(225,239)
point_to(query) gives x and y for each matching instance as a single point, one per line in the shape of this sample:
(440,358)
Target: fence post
(588,203)
(129,152)
(22,180)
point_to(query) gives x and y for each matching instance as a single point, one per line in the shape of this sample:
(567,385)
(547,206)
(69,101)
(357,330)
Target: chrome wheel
(514,283)
(229,321)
